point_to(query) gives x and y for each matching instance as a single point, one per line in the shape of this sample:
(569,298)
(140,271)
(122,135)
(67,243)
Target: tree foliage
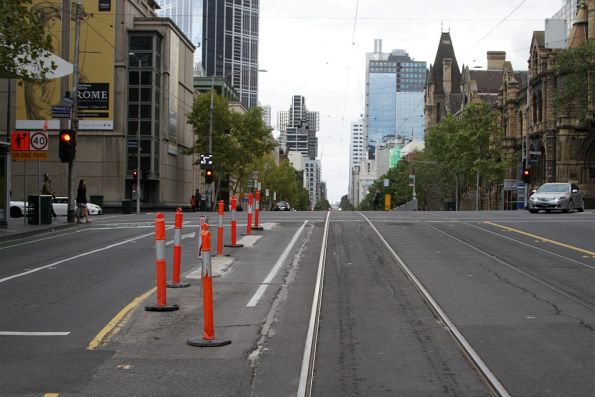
(285,181)
(575,67)
(463,146)
(23,39)
(345,204)
(239,140)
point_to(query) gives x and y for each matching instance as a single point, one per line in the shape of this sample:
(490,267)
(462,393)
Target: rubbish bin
(39,205)
(98,200)
(126,206)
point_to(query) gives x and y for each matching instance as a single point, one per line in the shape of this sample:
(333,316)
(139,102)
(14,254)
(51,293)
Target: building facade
(139,79)
(357,151)
(230,44)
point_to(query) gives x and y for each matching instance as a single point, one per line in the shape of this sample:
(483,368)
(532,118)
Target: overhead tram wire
(499,23)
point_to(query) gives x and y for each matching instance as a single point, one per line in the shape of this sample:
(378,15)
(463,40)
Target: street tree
(23,40)
(575,67)
(239,140)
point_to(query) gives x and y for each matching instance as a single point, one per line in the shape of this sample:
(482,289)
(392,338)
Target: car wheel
(534,211)
(15,212)
(548,211)
(570,207)
(581,209)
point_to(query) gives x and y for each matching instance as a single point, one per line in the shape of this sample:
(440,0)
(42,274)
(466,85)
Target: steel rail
(480,366)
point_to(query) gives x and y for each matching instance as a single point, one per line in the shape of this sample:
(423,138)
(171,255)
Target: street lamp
(140,65)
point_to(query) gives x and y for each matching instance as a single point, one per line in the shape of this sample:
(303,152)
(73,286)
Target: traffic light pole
(75,118)
(211,111)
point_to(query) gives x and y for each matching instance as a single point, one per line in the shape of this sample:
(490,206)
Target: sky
(317,49)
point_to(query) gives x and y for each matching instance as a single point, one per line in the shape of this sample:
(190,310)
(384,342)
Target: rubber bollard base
(257,228)
(200,342)
(246,234)
(234,245)
(162,308)
(178,285)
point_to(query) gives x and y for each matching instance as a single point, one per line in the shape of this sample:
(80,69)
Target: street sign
(386,182)
(27,145)
(59,111)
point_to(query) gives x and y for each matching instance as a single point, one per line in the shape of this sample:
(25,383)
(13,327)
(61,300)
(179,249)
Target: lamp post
(140,65)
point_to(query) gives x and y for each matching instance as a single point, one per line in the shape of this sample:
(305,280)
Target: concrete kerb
(11,234)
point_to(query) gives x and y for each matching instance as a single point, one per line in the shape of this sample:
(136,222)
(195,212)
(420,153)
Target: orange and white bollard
(234,243)
(220,211)
(249,222)
(256,212)
(161,305)
(175,280)
(208,339)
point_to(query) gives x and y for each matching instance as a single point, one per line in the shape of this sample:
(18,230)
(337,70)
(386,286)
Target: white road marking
(249,241)
(219,266)
(275,269)
(184,236)
(14,333)
(2,280)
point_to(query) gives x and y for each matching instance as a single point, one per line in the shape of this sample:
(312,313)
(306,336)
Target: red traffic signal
(135,174)
(67,146)
(526,175)
(209,176)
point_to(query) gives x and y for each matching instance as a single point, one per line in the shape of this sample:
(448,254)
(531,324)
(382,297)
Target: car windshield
(554,188)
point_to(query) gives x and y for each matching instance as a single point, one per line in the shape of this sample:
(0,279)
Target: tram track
(481,368)
(516,268)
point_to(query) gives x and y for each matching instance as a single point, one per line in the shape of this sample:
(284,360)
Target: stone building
(557,147)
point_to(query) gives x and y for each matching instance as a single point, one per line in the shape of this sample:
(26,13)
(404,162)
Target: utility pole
(75,118)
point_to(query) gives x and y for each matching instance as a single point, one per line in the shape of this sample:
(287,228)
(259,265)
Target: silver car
(556,196)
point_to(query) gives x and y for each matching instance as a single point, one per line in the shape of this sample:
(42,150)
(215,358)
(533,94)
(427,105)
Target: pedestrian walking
(377,198)
(194,201)
(81,203)
(46,188)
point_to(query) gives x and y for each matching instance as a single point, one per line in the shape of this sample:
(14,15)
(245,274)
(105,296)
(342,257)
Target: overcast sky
(316,48)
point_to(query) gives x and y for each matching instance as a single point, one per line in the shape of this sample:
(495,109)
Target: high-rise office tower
(187,14)
(298,128)
(230,45)
(394,95)
(357,150)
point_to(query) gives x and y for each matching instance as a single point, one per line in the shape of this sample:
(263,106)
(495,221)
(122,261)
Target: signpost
(26,145)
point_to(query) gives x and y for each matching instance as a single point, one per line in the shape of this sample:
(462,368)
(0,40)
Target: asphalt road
(518,287)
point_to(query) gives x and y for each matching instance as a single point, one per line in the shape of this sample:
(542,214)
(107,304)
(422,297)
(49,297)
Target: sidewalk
(19,228)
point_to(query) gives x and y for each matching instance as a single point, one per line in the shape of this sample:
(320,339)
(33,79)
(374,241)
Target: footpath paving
(19,228)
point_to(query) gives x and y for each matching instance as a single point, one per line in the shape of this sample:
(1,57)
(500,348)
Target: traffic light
(135,174)
(209,176)
(526,175)
(67,146)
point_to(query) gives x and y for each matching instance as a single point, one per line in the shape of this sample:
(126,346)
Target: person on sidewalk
(46,188)
(81,202)
(377,198)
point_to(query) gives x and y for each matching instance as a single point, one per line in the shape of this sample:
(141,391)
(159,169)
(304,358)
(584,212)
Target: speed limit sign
(39,140)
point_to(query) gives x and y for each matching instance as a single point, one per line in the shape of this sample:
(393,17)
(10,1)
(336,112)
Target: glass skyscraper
(394,96)
(230,32)
(187,14)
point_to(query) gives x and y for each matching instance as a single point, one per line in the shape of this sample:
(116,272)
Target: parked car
(60,205)
(282,206)
(556,196)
